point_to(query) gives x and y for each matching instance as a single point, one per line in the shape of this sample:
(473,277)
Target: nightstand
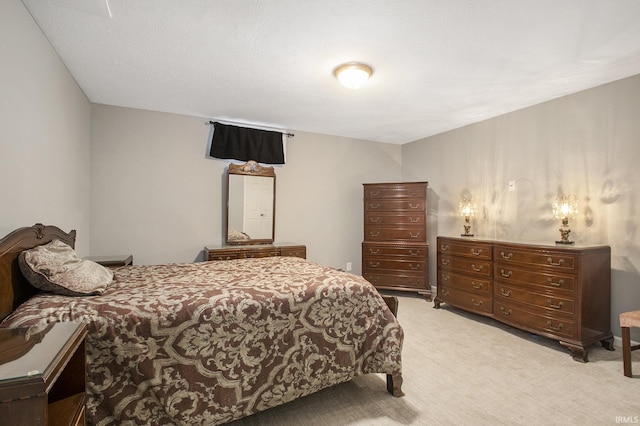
(42,374)
(113,261)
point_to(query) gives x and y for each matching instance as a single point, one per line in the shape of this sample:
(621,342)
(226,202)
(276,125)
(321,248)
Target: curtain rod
(289,135)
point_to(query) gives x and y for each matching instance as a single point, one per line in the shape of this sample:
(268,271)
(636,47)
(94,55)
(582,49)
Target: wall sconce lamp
(564,207)
(353,75)
(467,210)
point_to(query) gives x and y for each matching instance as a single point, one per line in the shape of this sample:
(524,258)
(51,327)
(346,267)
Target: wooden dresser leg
(608,344)
(626,351)
(579,353)
(394,384)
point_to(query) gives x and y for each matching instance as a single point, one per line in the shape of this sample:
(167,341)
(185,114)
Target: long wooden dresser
(230,252)
(395,248)
(560,292)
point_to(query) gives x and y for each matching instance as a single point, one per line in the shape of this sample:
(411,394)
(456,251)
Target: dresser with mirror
(250,216)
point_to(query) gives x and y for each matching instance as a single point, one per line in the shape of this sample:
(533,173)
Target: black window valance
(244,144)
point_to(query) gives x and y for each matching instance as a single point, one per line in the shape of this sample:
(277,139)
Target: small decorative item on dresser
(467,210)
(564,207)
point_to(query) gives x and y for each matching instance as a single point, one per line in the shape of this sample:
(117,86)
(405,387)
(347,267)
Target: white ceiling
(439,64)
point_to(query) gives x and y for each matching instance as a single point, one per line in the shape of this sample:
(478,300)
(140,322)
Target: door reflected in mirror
(250,204)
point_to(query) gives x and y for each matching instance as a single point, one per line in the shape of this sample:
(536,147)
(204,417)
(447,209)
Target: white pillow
(56,268)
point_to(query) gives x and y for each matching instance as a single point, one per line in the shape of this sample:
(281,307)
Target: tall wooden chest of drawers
(395,248)
(559,292)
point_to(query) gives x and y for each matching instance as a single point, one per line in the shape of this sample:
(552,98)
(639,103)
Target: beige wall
(45,122)
(587,144)
(156,193)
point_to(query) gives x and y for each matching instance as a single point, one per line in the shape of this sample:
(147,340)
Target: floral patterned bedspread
(207,343)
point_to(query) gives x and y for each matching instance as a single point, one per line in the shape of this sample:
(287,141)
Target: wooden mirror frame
(251,168)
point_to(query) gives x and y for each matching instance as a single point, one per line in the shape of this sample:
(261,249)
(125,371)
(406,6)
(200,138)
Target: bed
(210,342)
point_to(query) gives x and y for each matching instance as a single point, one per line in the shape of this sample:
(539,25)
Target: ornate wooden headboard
(14,288)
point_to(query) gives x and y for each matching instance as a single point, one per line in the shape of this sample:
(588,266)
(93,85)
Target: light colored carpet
(462,369)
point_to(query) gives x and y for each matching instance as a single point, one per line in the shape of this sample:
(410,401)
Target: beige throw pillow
(55,268)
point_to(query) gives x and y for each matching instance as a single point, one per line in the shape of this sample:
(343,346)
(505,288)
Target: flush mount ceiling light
(353,74)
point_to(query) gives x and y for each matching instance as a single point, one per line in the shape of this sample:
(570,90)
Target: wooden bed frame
(15,289)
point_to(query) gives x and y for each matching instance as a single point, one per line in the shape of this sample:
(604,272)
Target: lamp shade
(353,75)
(565,206)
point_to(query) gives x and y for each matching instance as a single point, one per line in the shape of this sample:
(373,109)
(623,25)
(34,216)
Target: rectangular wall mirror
(251,201)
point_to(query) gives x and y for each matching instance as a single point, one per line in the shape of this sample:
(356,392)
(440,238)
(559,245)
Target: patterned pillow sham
(55,268)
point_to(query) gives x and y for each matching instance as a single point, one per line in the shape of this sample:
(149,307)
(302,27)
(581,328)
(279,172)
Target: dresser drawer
(535,258)
(417,251)
(551,302)
(402,233)
(395,191)
(534,320)
(381,205)
(395,280)
(464,282)
(467,249)
(294,251)
(473,302)
(547,281)
(244,252)
(262,253)
(477,267)
(224,255)
(389,218)
(398,264)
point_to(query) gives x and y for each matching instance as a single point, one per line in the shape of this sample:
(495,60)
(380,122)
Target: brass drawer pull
(414,219)
(444,247)
(557,327)
(506,274)
(374,233)
(444,277)
(476,286)
(505,311)
(374,264)
(476,268)
(374,206)
(373,219)
(551,305)
(445,262)
(224,258)
(445,292)
(412,206)
(552,263)
(476,253)
(414,193)
(558,284)
(476,304)
(414,252)
(374,251)
(416,235)
(506,256)
(414,267)
(505,293)
(375,193)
